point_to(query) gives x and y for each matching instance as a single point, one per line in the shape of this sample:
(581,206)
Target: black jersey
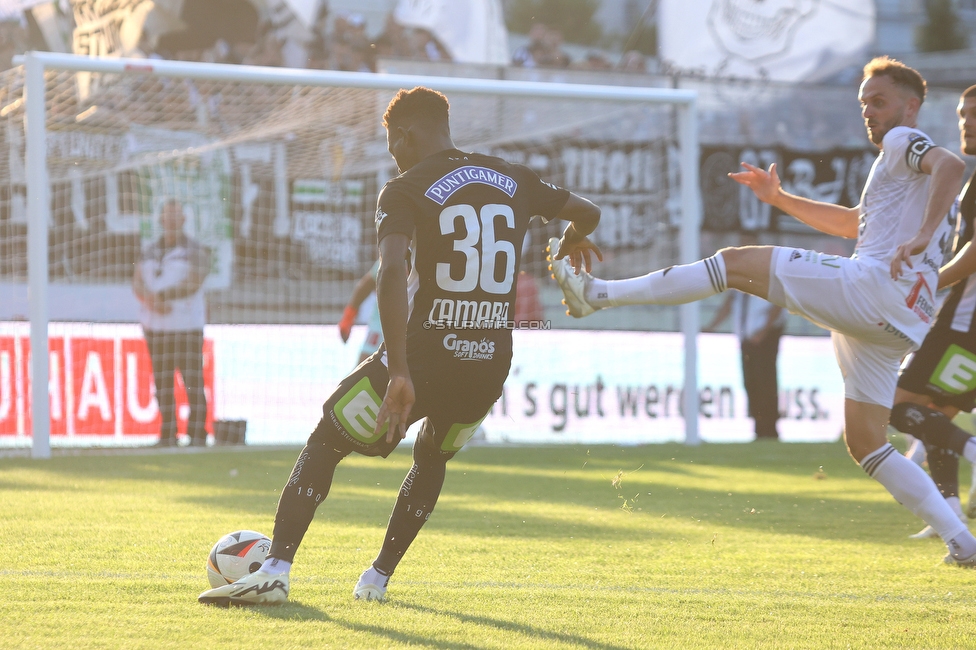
(467,215)
(960,307)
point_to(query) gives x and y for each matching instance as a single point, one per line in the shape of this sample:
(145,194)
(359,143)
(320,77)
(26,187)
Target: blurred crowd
(332,42)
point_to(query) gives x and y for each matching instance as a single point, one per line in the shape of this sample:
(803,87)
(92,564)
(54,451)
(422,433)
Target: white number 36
(494,253)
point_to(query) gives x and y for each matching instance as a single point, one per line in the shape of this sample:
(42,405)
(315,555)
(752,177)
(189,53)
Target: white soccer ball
(236,555)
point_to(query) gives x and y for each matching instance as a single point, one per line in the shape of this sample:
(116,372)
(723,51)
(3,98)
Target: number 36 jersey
(467,215)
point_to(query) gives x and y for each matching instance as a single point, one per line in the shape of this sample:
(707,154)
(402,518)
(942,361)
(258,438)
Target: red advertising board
(97,386)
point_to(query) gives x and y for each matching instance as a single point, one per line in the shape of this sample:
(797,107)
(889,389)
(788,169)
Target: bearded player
(879,304)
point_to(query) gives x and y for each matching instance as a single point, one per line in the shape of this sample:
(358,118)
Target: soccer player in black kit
(450,230)
(940,379)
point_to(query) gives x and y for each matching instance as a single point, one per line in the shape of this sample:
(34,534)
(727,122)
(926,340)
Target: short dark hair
(969,92)
(418,103)
(899,73)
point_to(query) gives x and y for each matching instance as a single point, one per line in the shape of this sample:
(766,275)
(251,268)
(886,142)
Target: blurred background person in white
(759,325)
(168,281)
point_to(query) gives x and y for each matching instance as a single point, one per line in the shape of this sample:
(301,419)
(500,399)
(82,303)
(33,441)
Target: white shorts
(858,302)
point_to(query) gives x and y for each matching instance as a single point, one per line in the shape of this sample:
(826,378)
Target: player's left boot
(258,588)
(967,563)
(371,585)
(573,286)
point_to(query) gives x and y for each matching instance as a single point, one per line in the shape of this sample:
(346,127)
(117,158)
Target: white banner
(565,386)
(783,40)
(473,31)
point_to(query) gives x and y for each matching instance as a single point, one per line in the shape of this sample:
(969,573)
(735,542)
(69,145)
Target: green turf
(720,546)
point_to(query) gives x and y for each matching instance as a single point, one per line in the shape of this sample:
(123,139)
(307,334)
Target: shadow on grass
(296,611)
(500,625)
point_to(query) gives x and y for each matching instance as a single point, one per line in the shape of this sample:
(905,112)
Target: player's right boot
(371,586)
(573,286)
(258,588)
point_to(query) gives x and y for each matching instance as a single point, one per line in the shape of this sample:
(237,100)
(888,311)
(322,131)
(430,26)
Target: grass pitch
(721,546)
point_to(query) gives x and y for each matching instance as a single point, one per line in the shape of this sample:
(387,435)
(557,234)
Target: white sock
(969,451)
(915,490)
(372,576)
(956,506)
(675,285)
(274,566)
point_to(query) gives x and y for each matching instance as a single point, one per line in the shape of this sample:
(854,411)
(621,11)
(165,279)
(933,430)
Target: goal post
(555,109)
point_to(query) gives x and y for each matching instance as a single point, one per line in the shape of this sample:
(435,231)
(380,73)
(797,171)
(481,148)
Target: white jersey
(165,268)
(892,209)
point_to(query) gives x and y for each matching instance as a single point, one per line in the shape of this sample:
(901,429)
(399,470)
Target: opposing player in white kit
(878,304)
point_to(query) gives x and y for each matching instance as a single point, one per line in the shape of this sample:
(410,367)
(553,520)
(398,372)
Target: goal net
(277,172)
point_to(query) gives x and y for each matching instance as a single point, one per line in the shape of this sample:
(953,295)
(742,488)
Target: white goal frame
(38,185)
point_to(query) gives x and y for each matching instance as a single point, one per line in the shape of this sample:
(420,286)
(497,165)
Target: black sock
(417,498)
(307,487)
(930,426)
(944,467)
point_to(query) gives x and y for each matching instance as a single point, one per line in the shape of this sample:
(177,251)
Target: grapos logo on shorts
(956,373)
(467,350)
(356,411)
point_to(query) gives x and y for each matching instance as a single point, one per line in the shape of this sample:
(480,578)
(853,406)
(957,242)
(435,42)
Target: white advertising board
(565,386)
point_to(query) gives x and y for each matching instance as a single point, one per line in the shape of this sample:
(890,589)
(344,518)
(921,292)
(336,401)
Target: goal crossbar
(38,184)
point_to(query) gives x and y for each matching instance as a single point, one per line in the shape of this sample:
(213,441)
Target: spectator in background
(532,54)
(633,61)
(758,325)
(13,41)
(595,61)
(351,49)
(168,281)
(544,49)
(319,51)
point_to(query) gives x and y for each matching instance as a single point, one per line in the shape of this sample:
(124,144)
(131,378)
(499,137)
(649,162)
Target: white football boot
(371,585)
(926,533)
(258,588)
(968,563)
(573,286)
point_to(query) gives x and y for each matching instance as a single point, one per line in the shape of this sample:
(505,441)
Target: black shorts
(944,368)
(453,407)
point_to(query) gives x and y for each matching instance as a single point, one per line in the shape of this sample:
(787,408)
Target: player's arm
(959,267)
(365,286)
(583,217)
(391,297)
(199,269)
(946,170)
(825,217)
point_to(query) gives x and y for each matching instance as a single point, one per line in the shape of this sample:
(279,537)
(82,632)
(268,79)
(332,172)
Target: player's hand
(345,325)
(764,184)
(903,254)
(396,406)
(580,252)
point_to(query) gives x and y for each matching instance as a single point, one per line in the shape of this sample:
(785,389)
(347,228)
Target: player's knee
(910,418)
(427,454)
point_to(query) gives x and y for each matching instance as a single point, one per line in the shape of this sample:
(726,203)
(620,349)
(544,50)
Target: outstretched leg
(745,268)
